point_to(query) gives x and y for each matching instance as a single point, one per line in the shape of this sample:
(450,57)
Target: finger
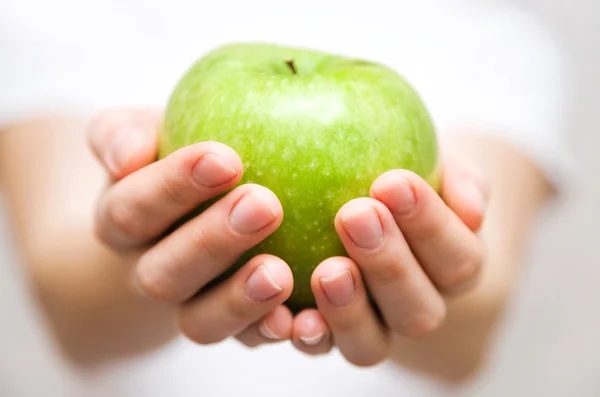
(228,308)
(124,140)
(274,327)
(182,263)
(409,302)
(142,206)
(310,333)
(446,248)
(465,192)
(342,301)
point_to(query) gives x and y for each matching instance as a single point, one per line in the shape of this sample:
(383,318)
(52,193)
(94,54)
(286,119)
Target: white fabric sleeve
(53,61)
(31,81)
(517,88)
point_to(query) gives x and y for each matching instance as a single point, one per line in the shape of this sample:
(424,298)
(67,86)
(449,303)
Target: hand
(408,247)
(146,197)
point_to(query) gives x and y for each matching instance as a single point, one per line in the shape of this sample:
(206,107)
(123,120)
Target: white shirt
(483,65)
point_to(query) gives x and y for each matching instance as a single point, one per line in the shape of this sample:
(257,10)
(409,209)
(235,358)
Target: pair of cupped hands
(408,245)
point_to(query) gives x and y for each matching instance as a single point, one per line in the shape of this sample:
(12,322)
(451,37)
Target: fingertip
(131,153)
(227,155)
(281,274)
(356,207)
(401,191)
(356,204)
(310,333)
(225,151)
(123,140)
(393,177)
(328,268)
(267,196)
(249,302)
(269,275)
(344,304)
(335,283)
(277,325)
(253,208)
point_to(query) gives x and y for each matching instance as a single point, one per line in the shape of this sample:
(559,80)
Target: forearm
(460,346)
(80,285)
(85,294)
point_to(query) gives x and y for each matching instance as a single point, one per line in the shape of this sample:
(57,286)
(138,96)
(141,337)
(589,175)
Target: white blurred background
(550,342)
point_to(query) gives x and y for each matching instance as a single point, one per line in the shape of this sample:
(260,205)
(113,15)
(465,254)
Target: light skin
(420,254)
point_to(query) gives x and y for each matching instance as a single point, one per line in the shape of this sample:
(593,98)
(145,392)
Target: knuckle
(468,270)
(463,275)
(239,309)
(194,329)
(101,231)
(209,244)
(429,228)
(387,272)
(423,324)
(344,325)
(123,217)
(174,188)
(102,235)
(107,227)
(152,284)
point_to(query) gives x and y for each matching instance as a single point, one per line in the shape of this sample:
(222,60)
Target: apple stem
(290,63)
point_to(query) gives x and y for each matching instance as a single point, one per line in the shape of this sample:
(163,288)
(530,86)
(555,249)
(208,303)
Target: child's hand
(409,247)
(146,197)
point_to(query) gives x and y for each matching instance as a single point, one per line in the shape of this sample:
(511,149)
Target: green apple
(315,128)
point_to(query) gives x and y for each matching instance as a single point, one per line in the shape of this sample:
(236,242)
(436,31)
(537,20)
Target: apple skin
(317,136)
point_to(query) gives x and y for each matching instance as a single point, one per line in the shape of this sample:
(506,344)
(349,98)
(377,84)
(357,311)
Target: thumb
(124,140)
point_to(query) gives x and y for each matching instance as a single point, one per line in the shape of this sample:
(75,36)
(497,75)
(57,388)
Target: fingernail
(253,212)
(124,142)
(405,199)
(364,228)
(261,286)
(211,170)
(265,331)
(339,288)
(312,340)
